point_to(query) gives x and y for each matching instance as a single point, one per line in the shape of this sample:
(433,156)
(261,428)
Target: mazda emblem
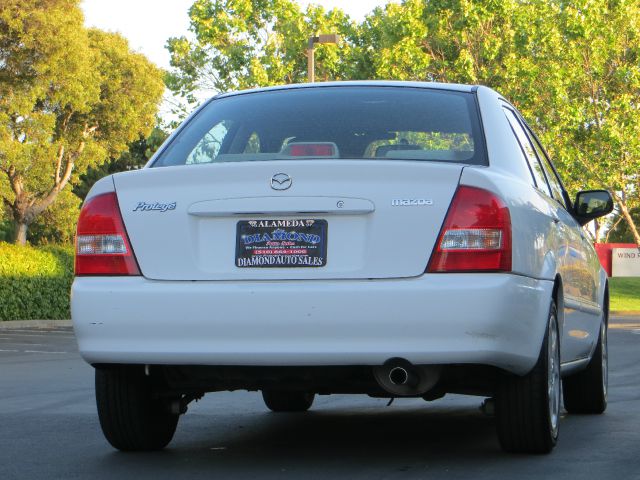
(281,181)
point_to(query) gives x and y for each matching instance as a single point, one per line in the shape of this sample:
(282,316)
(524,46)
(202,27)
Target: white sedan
(385,238)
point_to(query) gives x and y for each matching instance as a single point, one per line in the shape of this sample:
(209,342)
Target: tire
(286,401)
(528,407)
(131,419)
(586,391)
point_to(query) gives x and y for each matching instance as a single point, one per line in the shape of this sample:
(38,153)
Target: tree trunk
(627,216)
(613,227)
(20,236)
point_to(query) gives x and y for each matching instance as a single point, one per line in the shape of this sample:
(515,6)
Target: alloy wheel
(553,375)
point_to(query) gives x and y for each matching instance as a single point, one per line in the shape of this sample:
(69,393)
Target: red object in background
(604,251)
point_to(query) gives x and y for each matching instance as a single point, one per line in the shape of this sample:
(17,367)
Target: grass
(624,294)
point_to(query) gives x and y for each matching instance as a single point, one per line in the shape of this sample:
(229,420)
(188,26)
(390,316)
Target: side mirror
(591,204)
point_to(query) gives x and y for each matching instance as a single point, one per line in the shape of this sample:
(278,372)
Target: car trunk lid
(382,217)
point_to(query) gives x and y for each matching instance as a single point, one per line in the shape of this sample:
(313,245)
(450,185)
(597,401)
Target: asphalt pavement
(49,429)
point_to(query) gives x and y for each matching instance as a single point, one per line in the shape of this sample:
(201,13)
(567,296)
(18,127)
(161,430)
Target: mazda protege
(391,239)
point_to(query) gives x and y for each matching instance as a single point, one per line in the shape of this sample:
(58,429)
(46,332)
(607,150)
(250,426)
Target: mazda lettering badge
(280,181)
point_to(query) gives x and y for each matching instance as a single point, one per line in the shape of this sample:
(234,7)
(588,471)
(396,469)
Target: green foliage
(247,43)
(619,229)
(57,224)
(139,152)
(35,282)
(6,230)
(70,98)
(595,119)
(624,294)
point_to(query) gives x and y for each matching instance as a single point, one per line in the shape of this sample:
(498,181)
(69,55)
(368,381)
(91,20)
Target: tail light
(102,244)
(476,235)
(303,149)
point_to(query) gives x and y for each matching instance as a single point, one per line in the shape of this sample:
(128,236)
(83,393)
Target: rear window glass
(385,123)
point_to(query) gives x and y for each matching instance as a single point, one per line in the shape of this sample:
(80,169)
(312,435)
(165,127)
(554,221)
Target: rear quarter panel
(537,241)
(534,241)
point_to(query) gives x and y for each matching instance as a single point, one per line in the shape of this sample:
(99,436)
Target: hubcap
(553,375)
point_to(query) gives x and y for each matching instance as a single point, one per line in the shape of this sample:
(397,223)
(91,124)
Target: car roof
(358,83)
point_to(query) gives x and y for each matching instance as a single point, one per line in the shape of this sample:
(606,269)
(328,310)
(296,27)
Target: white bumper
(490,319)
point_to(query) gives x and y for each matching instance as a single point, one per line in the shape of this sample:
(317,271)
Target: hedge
(35,282)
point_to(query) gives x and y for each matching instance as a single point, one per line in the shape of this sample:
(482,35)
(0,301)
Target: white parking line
(37,333)
(624,326)
(27,344)
(41,351)
(9,337)
(14,351)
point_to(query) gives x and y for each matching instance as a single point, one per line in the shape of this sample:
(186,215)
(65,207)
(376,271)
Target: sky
(147,24)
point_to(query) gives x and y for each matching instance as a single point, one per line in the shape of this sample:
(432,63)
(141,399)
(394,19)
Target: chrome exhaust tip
(398,376)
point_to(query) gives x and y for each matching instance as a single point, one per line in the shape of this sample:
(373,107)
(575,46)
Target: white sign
(625,262)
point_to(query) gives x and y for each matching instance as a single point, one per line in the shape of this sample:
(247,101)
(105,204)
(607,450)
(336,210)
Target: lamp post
(324,38)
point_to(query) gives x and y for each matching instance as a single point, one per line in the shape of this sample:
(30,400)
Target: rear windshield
(385,123)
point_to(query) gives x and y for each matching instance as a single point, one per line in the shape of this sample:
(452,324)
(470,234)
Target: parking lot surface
(49,429)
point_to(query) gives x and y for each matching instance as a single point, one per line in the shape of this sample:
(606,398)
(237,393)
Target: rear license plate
(281,243)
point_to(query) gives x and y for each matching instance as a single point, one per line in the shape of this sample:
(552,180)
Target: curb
(10,324)
(14,324)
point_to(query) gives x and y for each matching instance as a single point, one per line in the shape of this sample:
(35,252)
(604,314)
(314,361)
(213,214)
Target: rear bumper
(488,319)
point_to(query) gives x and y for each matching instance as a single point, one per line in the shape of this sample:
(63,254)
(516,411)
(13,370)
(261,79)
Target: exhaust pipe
(401,378)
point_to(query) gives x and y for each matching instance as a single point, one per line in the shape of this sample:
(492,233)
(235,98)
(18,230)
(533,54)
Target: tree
(598,126)
(137,155)
(57,224)
(248,43)
(619,231)
(70,98)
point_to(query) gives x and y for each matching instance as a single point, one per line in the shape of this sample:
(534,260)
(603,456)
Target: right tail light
(476,235)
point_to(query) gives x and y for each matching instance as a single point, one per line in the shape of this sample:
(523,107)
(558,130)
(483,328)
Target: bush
(35,282)
(6,230)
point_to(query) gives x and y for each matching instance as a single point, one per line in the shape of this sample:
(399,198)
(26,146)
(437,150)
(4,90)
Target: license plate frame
(281,243)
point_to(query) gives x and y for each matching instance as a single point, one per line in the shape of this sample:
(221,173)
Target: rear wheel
(130,417)
(528,407)
(586,392)
(284,401)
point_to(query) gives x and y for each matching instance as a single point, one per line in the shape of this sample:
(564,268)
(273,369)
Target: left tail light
(102,243)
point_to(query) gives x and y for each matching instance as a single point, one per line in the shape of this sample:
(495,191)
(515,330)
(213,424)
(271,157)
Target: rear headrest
(382,150)
(441,155)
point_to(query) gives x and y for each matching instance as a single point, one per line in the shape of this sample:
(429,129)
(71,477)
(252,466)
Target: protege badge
(155,206)
(410,202)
